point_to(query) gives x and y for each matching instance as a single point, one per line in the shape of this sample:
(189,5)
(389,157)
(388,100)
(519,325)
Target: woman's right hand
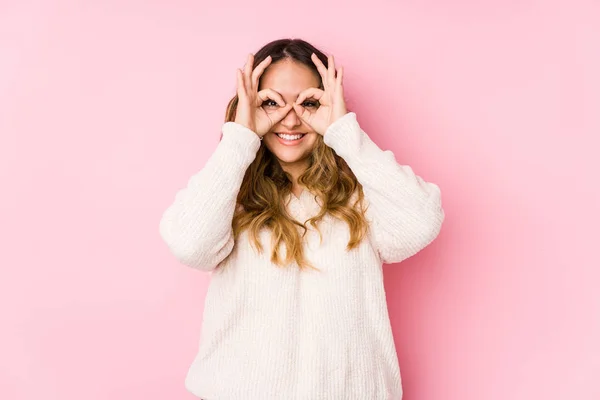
(250,111)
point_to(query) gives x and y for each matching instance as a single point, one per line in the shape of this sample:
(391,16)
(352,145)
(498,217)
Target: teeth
(289,137)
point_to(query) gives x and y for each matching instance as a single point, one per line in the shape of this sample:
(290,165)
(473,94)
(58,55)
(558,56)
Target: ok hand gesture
(250,112)
(332,103)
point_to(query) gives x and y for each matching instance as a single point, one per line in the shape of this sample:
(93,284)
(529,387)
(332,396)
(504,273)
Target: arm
(405,212)
(197,225)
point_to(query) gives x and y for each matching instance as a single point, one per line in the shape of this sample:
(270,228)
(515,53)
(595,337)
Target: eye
(311,104)
(270,103)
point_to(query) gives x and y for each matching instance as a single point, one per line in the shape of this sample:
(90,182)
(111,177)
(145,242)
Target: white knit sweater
(272,333)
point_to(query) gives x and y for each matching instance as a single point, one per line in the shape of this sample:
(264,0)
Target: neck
(295,170)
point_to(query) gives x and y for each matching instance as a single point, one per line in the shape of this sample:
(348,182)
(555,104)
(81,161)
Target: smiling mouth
(290,138)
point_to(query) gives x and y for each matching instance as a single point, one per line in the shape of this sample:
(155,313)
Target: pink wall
(107,107)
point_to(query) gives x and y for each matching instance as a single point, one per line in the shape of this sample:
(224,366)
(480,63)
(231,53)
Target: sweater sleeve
(405,213)
(197,226)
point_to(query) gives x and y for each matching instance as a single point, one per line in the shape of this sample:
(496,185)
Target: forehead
(288,78)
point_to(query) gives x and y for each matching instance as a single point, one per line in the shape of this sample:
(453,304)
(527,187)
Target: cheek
(312,142)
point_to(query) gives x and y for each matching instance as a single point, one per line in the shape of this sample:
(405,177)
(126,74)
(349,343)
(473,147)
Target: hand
(249,109)
(332,103)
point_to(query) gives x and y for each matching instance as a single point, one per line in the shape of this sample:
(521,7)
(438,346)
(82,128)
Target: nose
(291,120)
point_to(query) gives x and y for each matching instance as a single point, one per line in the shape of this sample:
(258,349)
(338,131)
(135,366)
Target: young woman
(294,214)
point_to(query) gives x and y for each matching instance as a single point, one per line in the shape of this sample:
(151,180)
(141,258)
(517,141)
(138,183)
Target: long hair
(265,186)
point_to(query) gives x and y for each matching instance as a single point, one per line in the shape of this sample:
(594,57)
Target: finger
(281,113)
(340,78)
(241,90)
(260,68)
(321,68)
(268,93)
(302,113)
(313,92)
(331,70)
(248,72)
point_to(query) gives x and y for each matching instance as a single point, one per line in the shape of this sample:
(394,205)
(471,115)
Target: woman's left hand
(332,105)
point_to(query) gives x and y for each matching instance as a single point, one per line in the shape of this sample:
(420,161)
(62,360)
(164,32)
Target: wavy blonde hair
(261,199)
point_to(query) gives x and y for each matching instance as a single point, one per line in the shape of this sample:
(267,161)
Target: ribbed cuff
(344,135)
(241,138)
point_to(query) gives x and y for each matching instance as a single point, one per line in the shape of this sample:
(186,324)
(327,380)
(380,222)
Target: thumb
(282,112)
(301,112)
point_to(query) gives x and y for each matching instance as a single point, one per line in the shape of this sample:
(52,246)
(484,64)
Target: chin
(290,154)
(290,157)
(290,160)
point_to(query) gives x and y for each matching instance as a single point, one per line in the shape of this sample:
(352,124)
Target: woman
(294,214)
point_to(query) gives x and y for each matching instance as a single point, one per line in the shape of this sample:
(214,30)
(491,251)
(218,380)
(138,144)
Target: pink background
(108,106)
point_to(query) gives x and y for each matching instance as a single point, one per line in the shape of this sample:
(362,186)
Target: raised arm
(405,212)
(197,225)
